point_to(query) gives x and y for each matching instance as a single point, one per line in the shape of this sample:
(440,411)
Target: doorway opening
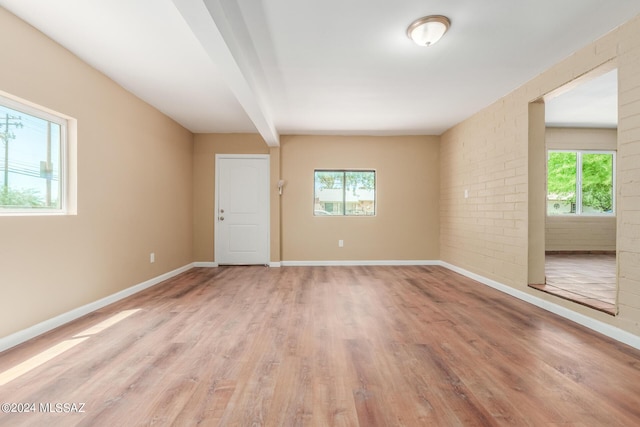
(575,158)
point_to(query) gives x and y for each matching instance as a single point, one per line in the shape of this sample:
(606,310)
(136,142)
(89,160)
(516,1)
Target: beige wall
(487,233)
(379,238)
(581,139)
(406,223)
(134,188)
(584,233)
(628,165)
(206,146)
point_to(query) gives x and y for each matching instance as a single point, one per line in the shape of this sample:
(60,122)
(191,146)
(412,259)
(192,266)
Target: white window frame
(344,189)
(34,111)
(578,211)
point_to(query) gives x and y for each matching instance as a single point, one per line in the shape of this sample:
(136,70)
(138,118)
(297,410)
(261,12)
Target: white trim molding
(593,324)
(205,264)
(47,325)
(361,262)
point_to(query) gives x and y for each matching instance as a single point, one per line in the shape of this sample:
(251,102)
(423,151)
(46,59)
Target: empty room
(324,213)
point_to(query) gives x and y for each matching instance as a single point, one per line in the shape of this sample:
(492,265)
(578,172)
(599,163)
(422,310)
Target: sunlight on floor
(107,323)
(39,359)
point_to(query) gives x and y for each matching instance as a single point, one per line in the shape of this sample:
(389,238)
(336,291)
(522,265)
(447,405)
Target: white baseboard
(42,327)
(596,325)
(215,264)
(357,262)
(205,264)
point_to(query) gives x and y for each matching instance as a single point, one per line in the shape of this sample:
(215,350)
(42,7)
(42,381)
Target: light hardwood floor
(323,346)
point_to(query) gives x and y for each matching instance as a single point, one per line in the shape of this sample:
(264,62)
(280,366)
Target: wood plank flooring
(588,279)
(322,346)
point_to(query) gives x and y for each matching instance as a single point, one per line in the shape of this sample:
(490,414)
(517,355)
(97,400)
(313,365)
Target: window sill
(12,213)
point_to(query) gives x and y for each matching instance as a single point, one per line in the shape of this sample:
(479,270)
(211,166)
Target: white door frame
(216,212)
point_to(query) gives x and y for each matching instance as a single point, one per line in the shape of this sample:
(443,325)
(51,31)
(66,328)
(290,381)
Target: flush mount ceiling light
(428,30)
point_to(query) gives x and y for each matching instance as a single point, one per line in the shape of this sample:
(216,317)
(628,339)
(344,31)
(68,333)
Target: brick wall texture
(487,155)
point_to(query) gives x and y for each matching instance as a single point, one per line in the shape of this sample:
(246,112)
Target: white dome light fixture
(428,30)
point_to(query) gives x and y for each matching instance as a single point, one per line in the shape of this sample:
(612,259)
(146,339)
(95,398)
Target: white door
(242,209)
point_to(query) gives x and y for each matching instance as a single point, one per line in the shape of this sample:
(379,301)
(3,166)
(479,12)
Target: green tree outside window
(580,182)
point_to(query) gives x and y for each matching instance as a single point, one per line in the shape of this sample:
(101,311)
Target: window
(580,183)
(345,192)
(32,152)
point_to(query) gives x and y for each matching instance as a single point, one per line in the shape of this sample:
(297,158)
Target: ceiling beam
(212,30)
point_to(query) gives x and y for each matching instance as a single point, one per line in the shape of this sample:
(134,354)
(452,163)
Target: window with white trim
(581,182)
(344,192)
(32,159)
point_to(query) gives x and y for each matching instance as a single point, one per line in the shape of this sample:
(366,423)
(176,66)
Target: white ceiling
(592,104)
(323,66)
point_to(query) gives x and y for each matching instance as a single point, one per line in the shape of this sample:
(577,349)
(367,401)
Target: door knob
(221,218)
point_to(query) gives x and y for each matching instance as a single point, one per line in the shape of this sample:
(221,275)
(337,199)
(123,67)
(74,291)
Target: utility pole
(6,135)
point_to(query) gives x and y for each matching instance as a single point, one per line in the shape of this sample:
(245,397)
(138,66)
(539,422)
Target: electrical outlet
(152,257)
(340,243)
(466,194)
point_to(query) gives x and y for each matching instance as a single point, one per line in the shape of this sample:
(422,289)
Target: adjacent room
(248,212)
(580,233)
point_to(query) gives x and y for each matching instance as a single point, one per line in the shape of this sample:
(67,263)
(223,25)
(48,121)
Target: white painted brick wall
(629,176)
(487,233)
